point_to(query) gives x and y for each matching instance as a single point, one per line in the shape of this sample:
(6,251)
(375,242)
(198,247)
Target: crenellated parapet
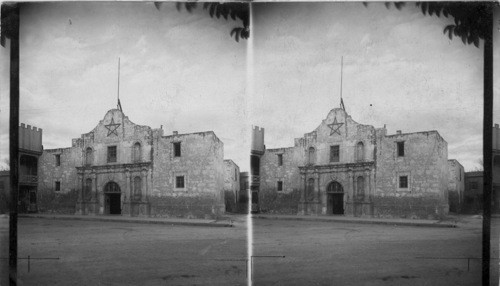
(30,138)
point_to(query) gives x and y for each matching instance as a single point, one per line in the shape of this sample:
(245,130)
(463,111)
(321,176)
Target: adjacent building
(4,191)
(231,185)
(30,150)
(495,195)
(473,194)
(456,185)
(123,168)
(346,168)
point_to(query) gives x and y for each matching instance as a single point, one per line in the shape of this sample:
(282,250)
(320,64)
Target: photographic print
(267,143)
(370,126)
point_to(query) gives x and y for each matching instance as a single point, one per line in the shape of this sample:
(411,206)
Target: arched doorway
(112,198)
(335,198)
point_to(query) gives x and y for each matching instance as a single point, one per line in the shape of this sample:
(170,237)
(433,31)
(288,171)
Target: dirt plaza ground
(315,253)
(349,254)
(115,253)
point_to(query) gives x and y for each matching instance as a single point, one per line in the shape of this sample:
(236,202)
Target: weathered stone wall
(56,203)
(288,173)
(455,185)
(366,152)
(347,136)
(231,185)
(346,133)
(425,162)
(201,163)
(126,135)
(273,202)
(49,173)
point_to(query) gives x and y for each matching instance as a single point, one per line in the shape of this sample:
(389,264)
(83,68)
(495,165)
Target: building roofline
(474,173)
(456,161)
(231,161)
(194,133)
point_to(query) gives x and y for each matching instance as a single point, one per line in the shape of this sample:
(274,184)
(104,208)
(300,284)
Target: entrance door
(336,203)
(113,201)
(112,198)
(335,198)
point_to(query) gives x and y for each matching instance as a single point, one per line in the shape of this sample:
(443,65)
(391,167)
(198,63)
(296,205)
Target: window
(312,155)
(136,157)
(111,154)
(179,182)
(280,159)
(403,182)
(58,186)
(473,185)
(401,148)
(58,160)
(137,187)
(280,186)
(360,152)
(88,156)
(177,149)
(335,153)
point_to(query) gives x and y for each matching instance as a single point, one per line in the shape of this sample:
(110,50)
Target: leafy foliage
(9,16)
(470,18)
(234,10)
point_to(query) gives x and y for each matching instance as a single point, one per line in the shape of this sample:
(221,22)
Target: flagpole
(341,71)
(118,94)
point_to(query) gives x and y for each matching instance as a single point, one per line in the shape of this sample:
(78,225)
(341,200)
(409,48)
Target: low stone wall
(50,202)
(279,203)
(187,207)
(409,207)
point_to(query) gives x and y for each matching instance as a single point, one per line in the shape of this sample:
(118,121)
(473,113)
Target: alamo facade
(124,168)
(347,168)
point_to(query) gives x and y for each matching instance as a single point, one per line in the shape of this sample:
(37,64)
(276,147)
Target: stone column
(127,185)
(144,185)
(303,188)
(367,186)
(93,188)
(316,187)
(352,178)
(372,184)
(80,189)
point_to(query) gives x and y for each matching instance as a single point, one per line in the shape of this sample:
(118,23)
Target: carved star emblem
(112,127)
(335,126)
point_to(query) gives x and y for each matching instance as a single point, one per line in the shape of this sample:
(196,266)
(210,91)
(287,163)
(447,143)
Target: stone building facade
(456,186)
(30,149)
(473,193)
(123,168)
(231,185)
(495,194)
(343,167)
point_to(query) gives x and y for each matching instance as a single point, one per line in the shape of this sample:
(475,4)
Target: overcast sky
(179,70)
(399,70)
(185,72)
